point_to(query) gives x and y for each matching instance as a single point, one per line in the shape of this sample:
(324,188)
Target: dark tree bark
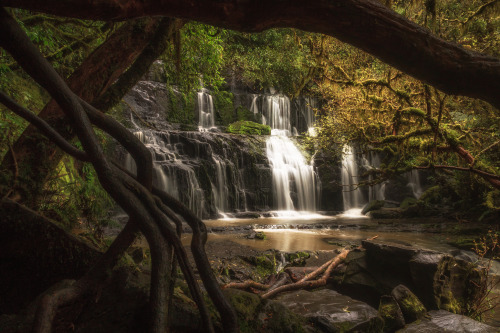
(366,24)
(36,156)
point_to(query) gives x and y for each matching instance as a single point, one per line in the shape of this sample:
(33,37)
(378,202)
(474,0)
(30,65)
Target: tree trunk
(37,157)
(366,24)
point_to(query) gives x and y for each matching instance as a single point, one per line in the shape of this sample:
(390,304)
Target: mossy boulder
(246,306)
(249,128)
(277,318)
(390,311)
(256,315)
(260,235)
(297,258)
(373,205)
(386,213)
(407,202)
(411,307)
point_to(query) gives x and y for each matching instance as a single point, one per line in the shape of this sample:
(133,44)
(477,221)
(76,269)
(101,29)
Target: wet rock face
(331,186)
(330,311)
(148,101)
(438,280)
(444,321)
(210,172)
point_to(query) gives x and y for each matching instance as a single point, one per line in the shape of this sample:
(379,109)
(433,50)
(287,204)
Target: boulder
(386,213)
(256,315)
(410,305)
(330,311)
(439,280)
(373,205)
(440,321)
(390,311)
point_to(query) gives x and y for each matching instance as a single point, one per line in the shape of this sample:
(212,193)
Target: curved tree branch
(366,24)
(45,128)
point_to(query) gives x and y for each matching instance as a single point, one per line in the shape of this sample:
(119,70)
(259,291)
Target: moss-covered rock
(373,205)
(386,213)
(411,307)
(260,235)
(256,315)
(248,127)
(277,318)
(390,311)
(297,258)
(407,202)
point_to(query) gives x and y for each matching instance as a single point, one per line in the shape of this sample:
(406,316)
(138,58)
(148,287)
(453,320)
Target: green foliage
(493,200)
(249,128)
(197,60)
(382,109)
(276,58)
(223,103)
(76,199)
(181,106)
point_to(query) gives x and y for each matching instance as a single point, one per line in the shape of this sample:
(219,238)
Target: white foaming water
(205,111)
(290,169)
(370,162)
(414,183)
(292,175)
(168,171)
(352,195)
(353,213)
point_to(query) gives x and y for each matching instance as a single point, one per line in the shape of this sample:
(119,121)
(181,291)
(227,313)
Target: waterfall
(295,184)
(276,113)
(309,116)
(169,173)
(370,162)
(351,193)
(205,111)
(414,183)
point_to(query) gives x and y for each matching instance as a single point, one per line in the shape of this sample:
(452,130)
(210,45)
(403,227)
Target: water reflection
(291,240)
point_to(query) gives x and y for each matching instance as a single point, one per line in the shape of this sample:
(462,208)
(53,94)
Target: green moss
(407,202)
(279,319)
(248,127)
(246,306)
(412,307)
(260,235)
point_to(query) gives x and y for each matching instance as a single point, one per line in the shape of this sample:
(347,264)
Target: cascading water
(205,110)
(352,195)
(292,177)
(414,183)
(170,173)
(308,113)
(370,162)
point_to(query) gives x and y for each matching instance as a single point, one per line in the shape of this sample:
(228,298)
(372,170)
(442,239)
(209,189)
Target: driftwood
(307,282)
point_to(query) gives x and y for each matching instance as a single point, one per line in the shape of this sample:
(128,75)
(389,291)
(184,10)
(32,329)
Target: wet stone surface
(444,321)
(332,312)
